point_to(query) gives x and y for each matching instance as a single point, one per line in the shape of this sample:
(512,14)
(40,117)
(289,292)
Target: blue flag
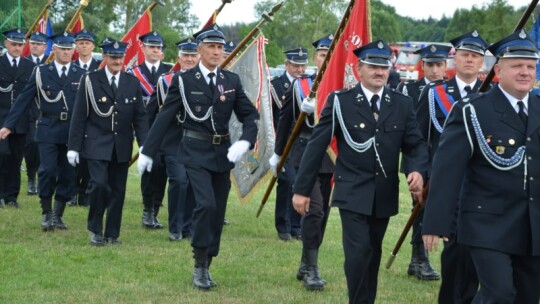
(535,34)
(49,33)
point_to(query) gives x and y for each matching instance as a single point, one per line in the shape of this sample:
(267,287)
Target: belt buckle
(63,115)
(216,139)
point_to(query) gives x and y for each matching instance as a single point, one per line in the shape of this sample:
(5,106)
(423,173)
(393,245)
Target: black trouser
(287,220)
(416,237)
(31,152)
(506,278)
(459,282)
(56,176)
(362,244)
(314,221)
(181,200)
(10,167)
(211,190)
(106,192)
(153,183)
(82,178)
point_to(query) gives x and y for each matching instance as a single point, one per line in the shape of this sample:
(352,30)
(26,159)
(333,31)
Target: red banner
(341,70)
(41,27)
(77,27)
(134,53)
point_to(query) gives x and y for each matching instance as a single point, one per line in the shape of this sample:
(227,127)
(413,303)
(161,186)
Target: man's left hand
(237,150)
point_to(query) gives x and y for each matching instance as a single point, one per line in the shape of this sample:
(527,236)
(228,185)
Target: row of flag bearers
(482,198)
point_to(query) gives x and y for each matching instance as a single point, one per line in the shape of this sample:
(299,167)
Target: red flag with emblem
(134,53)
(341,71)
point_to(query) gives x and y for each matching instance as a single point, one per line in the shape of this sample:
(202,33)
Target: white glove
(274,161)
(237,150)
(144,163)
(73,157)
(308,105)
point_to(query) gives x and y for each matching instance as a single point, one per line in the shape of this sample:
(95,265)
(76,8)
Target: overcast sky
(242,10)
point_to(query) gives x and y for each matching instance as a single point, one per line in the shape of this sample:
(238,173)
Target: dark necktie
(113,85)
(374,107)
(521,113)
(64,74)
(85,66)
(14,63)
(468,89)
(211,83)
(37,60)
(153,73)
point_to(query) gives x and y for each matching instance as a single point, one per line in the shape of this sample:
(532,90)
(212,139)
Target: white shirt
(82,63)
(10,59)
(205,72)
(59,68)
(513,101)
(461,85)
(149,65)
(370,94)
(289,76)
(110,75)
(37,59)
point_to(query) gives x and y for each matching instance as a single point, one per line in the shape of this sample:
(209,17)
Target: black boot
(209,262)
(58,212)
(200,273)
(32,186)
(414,262)
(303,267)
(148,214)
(424,270)
(47,215)
(312,279)
(157,224)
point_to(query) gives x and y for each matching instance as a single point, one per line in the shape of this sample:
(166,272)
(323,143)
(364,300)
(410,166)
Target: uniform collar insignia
(51,67)
(475,33)
(386,97)
(286,85)
(198,75)
(380,45)
(221,75)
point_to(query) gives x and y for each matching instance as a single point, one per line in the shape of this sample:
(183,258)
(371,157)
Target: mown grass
(253,265)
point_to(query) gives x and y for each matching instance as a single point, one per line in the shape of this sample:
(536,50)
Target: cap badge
(231,44)
(300,53)
(433,48)
(380,45)
(331,37)
(84,31)
(116,45)
(475,33)
(522,34)
(65,34)
(19,31)
(215,27)
(155,34)
(189,40)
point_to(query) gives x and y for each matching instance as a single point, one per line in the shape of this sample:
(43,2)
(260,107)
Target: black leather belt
(305,135)
(214,139)
(57,116)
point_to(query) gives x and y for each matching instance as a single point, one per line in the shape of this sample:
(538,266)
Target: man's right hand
(73,157)
(144,163)
(4,132)
(301,203)
(274,161)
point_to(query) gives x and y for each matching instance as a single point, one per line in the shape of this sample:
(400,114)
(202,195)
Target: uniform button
(339,176)
(528,139)
(376,130)
(531,199)
(376,173)
(63,108)
(115,102)
(529,158)
(531,178)
(115,112)
(116,122)
(377,144)
(478,207)
(115,133)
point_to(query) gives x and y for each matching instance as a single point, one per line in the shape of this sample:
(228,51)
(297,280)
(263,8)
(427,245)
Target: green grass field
(254,266)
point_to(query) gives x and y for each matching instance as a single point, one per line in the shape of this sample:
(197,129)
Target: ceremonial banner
(253,169)
(134,53)
(341,71)
(44,26)
(535,34)
(77,27)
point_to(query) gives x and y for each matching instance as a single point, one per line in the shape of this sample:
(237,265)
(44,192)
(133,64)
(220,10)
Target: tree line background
(298,23)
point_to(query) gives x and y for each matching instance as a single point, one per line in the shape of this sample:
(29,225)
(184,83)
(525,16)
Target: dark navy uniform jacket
(288,116)
(162,69)
(96,136)
(412,89)
(360,185)
(281,85)
(424,119)
(196,152)
(8,95)
(53,122)
(498,209)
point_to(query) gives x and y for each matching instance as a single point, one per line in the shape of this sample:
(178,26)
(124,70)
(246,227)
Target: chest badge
(500,150)
(198,108)
(103,99)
